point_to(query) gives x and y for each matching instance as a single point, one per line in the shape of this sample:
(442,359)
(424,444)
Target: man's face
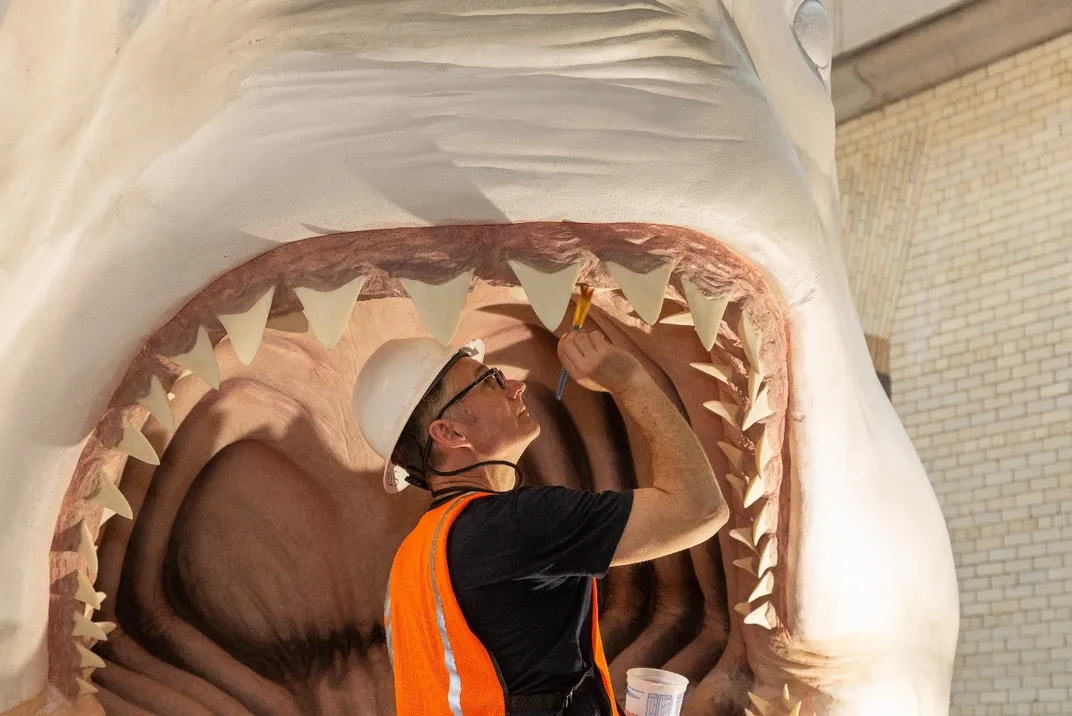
(492,416)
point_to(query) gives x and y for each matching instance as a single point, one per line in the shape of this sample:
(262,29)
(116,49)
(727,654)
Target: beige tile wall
(958,210)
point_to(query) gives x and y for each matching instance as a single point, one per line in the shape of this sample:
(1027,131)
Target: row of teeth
(440,306)
(785,705)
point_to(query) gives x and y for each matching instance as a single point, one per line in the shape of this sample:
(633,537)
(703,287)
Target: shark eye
(814,32)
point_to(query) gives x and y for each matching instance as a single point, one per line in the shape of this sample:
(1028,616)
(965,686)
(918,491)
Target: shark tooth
(85,592)
(84,687)
(85,627)
(760,409)
(246,329)
(679,319)
(737,484)
(724,411)
(760,526)
(547,293)
(762,616)
(750,342)
(732,453)
(109,497)
(87,549)
(747,564)
(136,445)
(88,658)
(719,372)
(763,588)
(156,402)
(755,380)
(200,360)
(766,555)
(706,313)
(763,451)
(795,710)
(764,707)
(786,700)
(645,291)
(293,322)
(744,537)
(756,488)
(329,311)
(743,608)
(440,306)
(106,627)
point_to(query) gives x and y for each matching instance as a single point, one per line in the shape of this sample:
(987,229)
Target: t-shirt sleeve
(569,533)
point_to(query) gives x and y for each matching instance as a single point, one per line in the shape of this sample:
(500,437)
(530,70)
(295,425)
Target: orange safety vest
(440,667)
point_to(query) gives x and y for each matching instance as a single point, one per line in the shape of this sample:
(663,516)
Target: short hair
(409,450)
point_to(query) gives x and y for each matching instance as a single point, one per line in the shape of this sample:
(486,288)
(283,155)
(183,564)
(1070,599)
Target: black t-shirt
(521,565)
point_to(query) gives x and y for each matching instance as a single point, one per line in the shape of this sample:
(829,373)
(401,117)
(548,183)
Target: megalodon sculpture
(212,213)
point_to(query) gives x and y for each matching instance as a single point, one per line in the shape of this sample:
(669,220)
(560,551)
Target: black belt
(557,701)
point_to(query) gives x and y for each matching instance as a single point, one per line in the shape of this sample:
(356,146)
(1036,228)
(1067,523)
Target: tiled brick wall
(964,192)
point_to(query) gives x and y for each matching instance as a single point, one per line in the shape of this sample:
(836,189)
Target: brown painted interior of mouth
(252,575)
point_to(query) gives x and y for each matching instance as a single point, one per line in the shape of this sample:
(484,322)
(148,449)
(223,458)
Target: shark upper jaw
(677,123)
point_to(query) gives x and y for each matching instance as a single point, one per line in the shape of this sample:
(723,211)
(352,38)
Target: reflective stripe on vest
(444,670)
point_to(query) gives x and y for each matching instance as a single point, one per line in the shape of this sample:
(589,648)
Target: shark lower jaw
(302,318)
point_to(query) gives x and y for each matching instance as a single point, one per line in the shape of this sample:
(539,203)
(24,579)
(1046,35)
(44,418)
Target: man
(491,606)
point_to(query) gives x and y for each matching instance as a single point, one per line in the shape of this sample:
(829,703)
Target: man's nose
(515,388)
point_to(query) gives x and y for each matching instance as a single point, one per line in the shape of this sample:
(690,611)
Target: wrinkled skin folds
(256,194)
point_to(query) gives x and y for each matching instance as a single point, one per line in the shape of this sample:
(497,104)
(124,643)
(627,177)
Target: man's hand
(592,361)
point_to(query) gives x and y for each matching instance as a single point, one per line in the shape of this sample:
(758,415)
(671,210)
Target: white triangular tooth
(440,306)
(293,322)
(742,608)
(767,555)
(723,410)
(719,372)
(88,658)
(760,525)
(87,549)
(84,687)
(755,490)
(156,402)
(743,536)
(329,311)
(750,342)
(763,451)
(109,497)
(706,313)
(795,710)
(85,627)
(106,627)
(737,483)
(747,564)
(547,293)
(786,700)
(246,329)
(732,452)
(101,596)
(764,707)
(200,360)
(762,616)
(755,380)
(85,592)
(679,319)
(136,445)
(645,291)
(763,588)
(760,410)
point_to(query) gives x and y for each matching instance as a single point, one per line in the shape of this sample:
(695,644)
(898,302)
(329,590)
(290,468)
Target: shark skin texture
(211,213)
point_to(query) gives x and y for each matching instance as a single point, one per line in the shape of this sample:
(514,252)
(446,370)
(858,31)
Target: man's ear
(446,435)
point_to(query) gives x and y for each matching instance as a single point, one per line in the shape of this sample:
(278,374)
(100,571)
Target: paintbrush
(580,312)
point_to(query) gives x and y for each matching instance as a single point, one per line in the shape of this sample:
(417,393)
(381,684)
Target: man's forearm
(679,464)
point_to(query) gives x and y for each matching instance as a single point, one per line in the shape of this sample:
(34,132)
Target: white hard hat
(391,383)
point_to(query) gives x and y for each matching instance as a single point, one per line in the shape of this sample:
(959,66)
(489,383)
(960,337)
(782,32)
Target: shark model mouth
(213,584)
(174,299)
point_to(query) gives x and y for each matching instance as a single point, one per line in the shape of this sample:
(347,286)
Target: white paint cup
(654,692)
